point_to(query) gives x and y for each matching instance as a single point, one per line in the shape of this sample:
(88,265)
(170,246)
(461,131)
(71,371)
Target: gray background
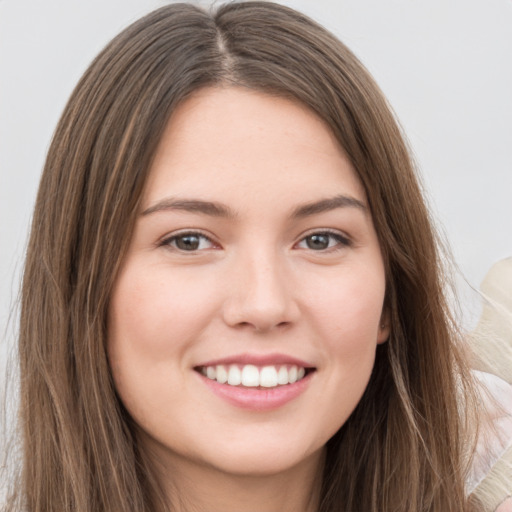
(445,65)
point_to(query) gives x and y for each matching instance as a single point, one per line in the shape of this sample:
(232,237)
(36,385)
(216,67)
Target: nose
(260,296)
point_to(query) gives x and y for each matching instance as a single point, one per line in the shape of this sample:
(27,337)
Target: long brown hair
(402,448)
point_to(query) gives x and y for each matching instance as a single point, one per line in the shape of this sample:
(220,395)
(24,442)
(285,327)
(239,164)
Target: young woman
(233,298)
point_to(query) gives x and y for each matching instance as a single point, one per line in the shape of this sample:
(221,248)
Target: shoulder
(491,472)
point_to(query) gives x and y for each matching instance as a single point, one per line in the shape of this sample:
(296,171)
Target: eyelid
(166,240)
(343,239)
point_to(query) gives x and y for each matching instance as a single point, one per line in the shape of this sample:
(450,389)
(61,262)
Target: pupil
(187,242)
(318,242)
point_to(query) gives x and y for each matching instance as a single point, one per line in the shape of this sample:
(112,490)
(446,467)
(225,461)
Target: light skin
(506,506)
(254,239)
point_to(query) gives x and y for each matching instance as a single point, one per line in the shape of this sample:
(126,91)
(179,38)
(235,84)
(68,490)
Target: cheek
(155,311)
(347,315)
(153,320)
(349,311)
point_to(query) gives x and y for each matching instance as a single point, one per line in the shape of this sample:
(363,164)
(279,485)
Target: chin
(264,460)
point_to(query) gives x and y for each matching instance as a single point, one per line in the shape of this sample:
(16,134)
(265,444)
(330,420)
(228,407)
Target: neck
(193,487)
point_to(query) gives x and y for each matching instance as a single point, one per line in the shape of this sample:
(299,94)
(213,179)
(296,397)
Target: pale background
(445,65)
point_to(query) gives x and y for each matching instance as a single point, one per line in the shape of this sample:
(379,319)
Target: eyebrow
(191,205)
(332,203)
(215,209)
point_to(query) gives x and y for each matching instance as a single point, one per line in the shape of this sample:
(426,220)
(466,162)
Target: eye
(324,240)
(189,242)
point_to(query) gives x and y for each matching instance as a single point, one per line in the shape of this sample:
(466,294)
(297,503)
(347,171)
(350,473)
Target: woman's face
(244,322)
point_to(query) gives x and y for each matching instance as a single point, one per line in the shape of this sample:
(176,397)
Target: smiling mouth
(252,376)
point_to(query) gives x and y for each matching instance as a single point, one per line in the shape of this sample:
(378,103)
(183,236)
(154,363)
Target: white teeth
(250,376)
(282,375)
(222,374)
(234,376)
(268,377)
(253,376)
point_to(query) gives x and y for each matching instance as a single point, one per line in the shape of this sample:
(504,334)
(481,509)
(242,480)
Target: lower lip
(258,399)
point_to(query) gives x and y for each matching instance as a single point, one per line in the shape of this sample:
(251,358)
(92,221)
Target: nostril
(260,326)
(242,325)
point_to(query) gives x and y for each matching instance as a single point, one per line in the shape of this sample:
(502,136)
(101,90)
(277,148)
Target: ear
(384,328)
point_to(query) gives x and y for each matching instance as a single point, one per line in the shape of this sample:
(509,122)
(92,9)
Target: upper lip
(258,360)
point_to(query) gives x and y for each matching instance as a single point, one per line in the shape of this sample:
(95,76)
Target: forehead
(242,144)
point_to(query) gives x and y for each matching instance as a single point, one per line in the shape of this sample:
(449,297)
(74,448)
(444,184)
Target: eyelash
(170,241)
(342,241)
